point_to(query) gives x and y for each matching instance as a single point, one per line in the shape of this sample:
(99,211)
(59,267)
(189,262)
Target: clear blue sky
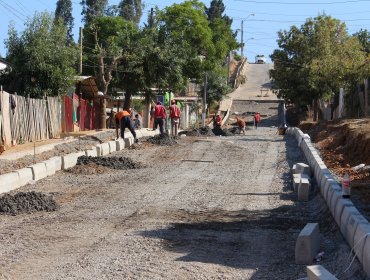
(269,17)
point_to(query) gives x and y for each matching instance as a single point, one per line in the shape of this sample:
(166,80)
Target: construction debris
(26,203)
(162,140)
(110,162)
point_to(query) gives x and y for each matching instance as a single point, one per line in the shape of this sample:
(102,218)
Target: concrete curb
(21,177)
(354,227)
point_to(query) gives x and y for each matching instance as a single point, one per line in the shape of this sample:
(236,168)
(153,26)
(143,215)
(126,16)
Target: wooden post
(366,97)
(80,70)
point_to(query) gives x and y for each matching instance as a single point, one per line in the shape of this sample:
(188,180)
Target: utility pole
(241,39)
(204,101)
(80,70)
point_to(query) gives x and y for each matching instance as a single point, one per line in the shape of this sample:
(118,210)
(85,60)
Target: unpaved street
(206,208)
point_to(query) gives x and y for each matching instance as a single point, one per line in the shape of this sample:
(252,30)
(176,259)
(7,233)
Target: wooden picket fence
(30,120)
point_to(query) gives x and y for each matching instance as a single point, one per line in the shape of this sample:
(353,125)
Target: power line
(303,3)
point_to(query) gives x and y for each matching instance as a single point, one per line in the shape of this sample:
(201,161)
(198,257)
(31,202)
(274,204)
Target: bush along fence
(24,119)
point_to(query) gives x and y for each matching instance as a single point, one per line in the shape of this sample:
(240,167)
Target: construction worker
(123,120)
(217,120)
(175,117)
(241,125)
(257,119)
(159,116)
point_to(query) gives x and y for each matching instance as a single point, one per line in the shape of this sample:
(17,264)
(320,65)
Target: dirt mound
(162,140)
(26,203)
(109,162)
(89,169)
(218,131)
(343,145)
(203,131)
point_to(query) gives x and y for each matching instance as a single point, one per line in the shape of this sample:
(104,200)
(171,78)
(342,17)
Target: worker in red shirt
(217,120)
(123,120)
(159,116)
(257,119)
(175,118)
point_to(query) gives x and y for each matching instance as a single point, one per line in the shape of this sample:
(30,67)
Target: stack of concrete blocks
(318,272)
(354,227)
(308,244)
(301,180)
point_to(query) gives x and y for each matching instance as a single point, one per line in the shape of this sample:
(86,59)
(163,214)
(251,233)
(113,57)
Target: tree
(364,36)
(92,9)
(63,11)
(314,61)
(110,41)
(130,10)
(216,10)
(186,26)
(42,61)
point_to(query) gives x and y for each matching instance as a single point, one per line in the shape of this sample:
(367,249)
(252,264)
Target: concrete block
(294,168)
(303,168)
(324,178)
(289,131)
(120,144)
(333,201)
(52,164)
(335,187)
(91,153)
(341,203)
(99,150)
(25,176)
(318,272)
(308,244)
(9,182)
(70,160)
(39,171)
(350,218)
(129,141)
(366,256)
(112,146)
(303,189)
(105,149)
(58,162)
(362,233)
(296,181)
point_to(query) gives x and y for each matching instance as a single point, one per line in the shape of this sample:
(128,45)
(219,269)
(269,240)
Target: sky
(261,19)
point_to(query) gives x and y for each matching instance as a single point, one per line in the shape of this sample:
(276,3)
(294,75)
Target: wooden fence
(25,119)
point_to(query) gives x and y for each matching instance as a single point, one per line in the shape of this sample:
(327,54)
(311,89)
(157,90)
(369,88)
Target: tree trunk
(315,110)
(127,103)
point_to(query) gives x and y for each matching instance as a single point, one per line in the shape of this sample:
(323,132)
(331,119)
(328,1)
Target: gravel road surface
(204,208)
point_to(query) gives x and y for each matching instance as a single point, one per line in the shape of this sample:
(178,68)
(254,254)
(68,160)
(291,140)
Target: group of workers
(217,121)
(123,120)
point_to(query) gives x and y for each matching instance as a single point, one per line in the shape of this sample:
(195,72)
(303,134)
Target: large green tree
(315,60)
(42,62)
(186,25)
(130,10)
(364,36)
(92,9)
(63,12)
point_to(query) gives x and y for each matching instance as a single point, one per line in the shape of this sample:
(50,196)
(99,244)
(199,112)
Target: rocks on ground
(26,202)
(162,140)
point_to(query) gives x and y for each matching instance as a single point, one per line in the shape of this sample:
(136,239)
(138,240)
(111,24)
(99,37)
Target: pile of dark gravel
(162,140)
(206,131)
(218,131)
(110,162)
(26,203)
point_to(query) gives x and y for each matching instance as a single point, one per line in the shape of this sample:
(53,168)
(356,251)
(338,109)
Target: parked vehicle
(260,58)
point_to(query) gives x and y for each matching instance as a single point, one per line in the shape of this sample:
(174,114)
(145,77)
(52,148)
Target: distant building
(3,64)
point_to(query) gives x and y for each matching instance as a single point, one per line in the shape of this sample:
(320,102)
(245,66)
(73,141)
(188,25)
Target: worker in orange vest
(123,120)
(241,125)
(217,120)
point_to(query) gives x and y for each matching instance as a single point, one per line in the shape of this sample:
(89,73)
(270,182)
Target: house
(3,64)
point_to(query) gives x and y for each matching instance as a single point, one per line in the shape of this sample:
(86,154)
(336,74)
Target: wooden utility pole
(80,67)
(241,39)
(366,97)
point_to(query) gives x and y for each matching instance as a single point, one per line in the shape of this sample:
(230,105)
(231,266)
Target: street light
(242,31)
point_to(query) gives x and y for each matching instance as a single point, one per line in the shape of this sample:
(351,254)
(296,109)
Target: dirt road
(206,208)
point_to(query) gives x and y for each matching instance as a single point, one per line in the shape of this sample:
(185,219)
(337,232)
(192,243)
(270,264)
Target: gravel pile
(26,203)
(206,131)
(162,140)
(218,131)
(110,162)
